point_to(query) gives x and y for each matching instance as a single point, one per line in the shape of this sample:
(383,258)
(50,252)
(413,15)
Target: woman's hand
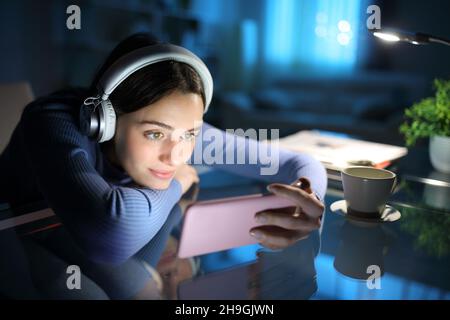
(281,227)
(186,176)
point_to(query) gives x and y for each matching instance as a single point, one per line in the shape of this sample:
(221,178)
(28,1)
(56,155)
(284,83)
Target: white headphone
(99,121)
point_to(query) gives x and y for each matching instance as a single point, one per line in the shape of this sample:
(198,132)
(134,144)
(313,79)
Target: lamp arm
(439,40)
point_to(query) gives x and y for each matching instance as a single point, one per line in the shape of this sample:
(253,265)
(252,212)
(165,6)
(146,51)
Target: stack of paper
(337,153)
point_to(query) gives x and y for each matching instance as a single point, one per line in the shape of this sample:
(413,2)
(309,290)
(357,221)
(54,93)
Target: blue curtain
(319,36)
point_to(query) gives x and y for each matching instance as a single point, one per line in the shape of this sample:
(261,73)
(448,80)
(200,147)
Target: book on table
(337,151)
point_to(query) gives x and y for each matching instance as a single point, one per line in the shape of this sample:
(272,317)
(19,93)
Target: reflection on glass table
(285,274)
(412,255)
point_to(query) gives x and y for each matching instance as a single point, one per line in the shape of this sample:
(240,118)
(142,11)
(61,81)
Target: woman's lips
(162,174)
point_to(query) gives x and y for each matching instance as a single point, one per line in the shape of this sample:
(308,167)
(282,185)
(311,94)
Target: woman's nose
(173,153)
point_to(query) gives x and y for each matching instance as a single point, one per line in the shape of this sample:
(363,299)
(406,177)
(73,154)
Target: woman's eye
(188,136)
(154,135)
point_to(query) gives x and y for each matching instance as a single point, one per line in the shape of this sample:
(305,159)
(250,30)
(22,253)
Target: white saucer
(390,214)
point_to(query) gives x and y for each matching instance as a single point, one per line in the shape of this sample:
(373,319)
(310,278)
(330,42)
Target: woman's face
(152,142)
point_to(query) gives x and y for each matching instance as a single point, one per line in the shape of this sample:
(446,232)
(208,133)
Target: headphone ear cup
(89,121)
(107,121)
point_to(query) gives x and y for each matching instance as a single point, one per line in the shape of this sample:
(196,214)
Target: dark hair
(151,83)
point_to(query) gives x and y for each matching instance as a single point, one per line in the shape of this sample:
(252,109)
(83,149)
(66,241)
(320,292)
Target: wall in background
(27,51)
(429,61)
(229,34)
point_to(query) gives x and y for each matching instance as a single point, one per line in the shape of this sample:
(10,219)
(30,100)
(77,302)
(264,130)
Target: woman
(116,198)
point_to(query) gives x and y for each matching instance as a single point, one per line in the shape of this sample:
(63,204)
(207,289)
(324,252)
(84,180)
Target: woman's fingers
(277,238)
(310,205)
(287,221)
(281,227)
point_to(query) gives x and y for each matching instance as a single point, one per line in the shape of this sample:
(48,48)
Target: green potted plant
(431,118)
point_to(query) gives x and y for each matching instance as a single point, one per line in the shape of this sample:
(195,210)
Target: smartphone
(216,225)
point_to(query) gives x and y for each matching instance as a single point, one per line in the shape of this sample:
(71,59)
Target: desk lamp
(417,38)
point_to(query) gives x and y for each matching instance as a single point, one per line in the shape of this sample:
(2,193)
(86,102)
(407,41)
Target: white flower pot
(440,153)
(437,196)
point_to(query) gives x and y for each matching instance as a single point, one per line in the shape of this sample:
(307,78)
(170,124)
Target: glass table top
(411,255)
(405,259)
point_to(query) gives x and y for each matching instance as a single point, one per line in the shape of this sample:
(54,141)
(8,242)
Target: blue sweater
(109,217)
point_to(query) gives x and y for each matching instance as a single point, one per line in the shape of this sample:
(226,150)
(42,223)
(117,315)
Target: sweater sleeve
(257,159)
(110,223)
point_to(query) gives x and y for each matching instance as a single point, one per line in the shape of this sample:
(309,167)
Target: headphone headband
(99,122)
(142,57)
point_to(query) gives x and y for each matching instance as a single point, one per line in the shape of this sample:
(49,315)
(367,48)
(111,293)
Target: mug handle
(394,185)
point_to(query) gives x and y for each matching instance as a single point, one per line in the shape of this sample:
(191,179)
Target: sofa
(368,106)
